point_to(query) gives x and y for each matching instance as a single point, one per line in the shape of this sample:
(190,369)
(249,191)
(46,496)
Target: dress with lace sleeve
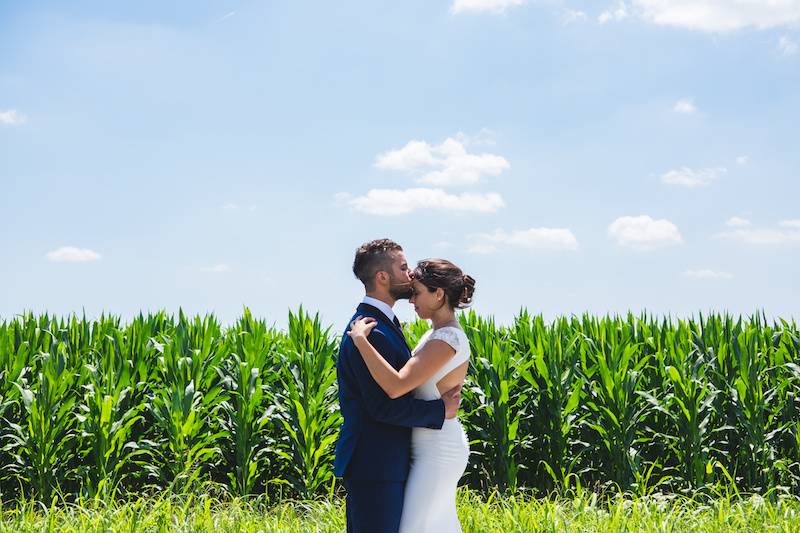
(457,339)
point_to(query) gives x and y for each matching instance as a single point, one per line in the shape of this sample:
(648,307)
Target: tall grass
(100,408)
(581,511)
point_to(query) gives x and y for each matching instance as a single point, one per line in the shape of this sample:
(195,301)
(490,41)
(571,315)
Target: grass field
(584,512)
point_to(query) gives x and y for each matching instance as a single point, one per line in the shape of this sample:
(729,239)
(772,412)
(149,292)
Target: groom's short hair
(373,257)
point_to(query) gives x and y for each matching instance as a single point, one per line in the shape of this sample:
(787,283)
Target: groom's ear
(382,277)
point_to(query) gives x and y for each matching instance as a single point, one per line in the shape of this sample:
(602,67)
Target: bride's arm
(415,372)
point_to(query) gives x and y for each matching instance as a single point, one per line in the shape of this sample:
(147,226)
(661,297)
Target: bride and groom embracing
(401,449)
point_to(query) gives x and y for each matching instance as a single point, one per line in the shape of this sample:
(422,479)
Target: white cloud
(229,205)
(571,16)
(643,233)
(720,15)
(485,137)
(737,222)
(789,233)
(705,273)
(493,6)
(442,165)
(217,269)
(787,47)
(763,236)
(12,118)
(742,160)
(616,13)
(794,224)
(71,254)
(393,202)
(412,156)
(686,177)
(685,106)
(342,199)
(227,16)
(532,239)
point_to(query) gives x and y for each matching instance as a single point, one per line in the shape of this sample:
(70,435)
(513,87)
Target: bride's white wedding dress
(438,456)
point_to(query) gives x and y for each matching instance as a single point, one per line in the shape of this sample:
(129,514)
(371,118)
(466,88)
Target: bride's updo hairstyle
(442,274)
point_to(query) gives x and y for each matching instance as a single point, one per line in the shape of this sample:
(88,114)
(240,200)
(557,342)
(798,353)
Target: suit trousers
(374,506)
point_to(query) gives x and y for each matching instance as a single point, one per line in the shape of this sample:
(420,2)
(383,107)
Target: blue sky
(571,156)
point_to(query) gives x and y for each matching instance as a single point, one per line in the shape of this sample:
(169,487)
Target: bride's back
(454,371)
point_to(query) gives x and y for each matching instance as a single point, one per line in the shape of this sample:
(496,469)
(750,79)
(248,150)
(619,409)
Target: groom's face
(400,278)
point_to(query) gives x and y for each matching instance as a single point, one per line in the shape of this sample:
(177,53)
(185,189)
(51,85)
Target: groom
(373,450)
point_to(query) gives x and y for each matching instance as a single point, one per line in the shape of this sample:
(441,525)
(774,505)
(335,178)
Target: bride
(438,363)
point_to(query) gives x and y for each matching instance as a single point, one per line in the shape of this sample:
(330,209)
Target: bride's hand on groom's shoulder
(361,327)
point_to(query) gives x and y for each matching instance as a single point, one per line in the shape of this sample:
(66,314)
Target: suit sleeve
(403,411)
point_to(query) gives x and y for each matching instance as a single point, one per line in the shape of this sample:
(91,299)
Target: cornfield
(98,408)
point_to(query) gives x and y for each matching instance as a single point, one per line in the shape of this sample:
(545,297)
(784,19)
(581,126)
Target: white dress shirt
(383,306)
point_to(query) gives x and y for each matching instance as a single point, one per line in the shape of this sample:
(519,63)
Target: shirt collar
(382,306)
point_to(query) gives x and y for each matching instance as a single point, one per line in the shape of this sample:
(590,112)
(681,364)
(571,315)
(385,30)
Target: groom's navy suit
(373,450)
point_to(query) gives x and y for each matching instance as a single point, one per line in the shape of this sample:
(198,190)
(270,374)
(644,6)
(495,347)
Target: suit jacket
(375,438)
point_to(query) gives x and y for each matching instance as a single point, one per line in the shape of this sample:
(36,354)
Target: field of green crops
(637,404)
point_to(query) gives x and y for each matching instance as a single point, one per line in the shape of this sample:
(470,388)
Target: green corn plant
(108,415)
(35,331)
(24,338)
(687,400)
(140,353)
(616,409)
(557,388)
(752,395)
(307,405)
(415,330)
(183,405)
(494,403)
(712,343)
(786,343)
(43,442)
(15,357)
(248,374)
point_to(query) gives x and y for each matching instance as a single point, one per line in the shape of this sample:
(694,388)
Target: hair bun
(443,274)
(467,291)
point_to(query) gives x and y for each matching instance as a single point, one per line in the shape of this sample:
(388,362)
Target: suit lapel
(364,307)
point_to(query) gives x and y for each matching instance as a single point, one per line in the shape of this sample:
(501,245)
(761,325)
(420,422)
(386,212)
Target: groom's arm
(403,411)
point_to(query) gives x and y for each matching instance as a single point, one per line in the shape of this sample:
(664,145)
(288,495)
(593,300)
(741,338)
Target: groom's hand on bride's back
(452,400)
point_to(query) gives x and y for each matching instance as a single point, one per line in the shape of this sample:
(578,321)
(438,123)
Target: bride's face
(425,302)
